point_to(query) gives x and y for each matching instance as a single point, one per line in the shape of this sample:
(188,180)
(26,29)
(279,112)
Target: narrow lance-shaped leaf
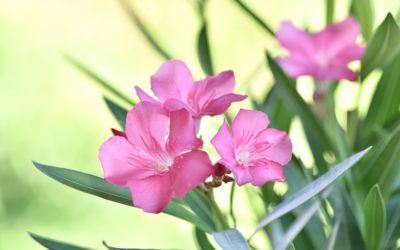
(332,238)
(99,80)
(118,112)
(231,239)
(297,226)
(150,38)
(374,219)
(383,46)
(392,233)
(364,12)
(99,187)
(255,17)
(330,11)
(55,244)
(202,240)
(200,206)
(203,51)
(312,189)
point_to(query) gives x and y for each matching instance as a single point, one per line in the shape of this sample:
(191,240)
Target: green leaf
(99,80)
(330,11)
(202,240)
(383,46)
(200,206)
(333,236)
(256,18)
(364,12)
(392,233)
(54,244)
(118,112)
(384,107)
(99,187)
(118,248)
(382,165)
(276,109)
(138,22)
(203,51)
(231,239)
(297,226)
(309,191)
(318,139)
(374,218)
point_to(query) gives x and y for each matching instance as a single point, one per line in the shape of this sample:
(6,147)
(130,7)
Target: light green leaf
(384,107)
(99,80)
(139,23)
(318,139)
(202,240)
(374,219)
(118,248)
(255,17)
(54,244)
(118,112)
(392,233)
(383,46)
(203,51)
(364,12)
(231,239)
(200,206)
(382,165)
(330,11)
(297,226)
(99,187)
(312,189)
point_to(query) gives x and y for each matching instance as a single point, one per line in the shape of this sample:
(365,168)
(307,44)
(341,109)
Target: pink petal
(175,104)
(172,80)
(220,105)
(342,72)
(182,134)
(249,122)
(152,194)
(145,123)
(295,68)
(347,54)
(296,41)
(223,143)
(222,84)
(265,173)
(190,170)
(242,175)
(143,96)
(280,150)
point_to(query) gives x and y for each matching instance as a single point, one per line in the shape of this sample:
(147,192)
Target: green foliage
(231,239)
(364,12)
(53,244)
(118,112)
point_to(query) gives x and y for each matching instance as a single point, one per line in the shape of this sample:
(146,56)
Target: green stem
(330,11)
(221,222)
(231,204)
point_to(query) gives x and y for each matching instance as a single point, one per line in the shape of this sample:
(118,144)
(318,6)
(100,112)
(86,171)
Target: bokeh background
(51,113)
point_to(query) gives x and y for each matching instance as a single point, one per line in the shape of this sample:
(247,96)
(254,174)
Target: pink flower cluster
(159,155)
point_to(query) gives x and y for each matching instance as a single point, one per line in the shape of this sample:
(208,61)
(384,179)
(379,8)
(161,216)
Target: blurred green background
(51,113)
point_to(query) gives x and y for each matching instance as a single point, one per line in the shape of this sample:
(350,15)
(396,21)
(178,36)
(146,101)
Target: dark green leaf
(255,17)
(384,107)
(203,51)
(312,189)
(99,80)
(276,109)
(382,165)
(392,233)
(200,206)
(383,46)
(374,218)
(202,240)
(231,239)
(139,23)
(364,12)
(54,244)
(118,112)
(118,248)
(99,187)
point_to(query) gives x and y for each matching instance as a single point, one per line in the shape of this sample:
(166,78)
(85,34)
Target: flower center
(165,164)
(243,156)
(322,59)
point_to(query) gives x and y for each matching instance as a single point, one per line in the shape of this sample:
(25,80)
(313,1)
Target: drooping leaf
(99,80)
(118,112)
(382,164)
(231,239)
(55,244)
(364,12)
(255,17)
(374,218)
(99,187)
(318,139)
(383,46)
(312,189)
(202,240)
(128,8)
(200,206)
(203,51)
(297,226)
(384,107)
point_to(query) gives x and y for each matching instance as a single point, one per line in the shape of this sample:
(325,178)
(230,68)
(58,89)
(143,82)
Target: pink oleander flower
(324,55)
(175,89)
(157,157)
(254,153)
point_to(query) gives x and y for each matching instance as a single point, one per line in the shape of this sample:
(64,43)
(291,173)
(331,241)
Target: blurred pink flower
(175,89)
(254,153)
(157,158)
(324,55)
